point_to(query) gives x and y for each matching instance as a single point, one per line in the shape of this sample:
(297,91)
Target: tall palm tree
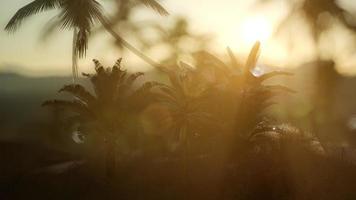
(79,15)
(106,112)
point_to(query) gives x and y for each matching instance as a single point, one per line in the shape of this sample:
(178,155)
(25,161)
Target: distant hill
(15,83)
(21,98)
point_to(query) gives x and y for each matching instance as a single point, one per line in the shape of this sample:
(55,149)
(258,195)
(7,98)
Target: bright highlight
(256,28)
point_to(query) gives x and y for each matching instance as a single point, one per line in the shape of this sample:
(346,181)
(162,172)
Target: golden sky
(235,23)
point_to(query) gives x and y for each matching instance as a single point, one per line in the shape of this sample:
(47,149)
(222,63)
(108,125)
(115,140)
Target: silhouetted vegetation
(202,134)
(206,130)
(79,15)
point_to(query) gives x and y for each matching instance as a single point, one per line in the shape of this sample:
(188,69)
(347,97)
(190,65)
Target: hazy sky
(226,19)
(24,49)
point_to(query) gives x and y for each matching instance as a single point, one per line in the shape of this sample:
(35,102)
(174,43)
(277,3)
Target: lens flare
(256,28)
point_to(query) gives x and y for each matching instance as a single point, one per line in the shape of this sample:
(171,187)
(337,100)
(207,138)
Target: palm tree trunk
(110,160)
(110,166)
(184,141)
(133,49)
(74,57)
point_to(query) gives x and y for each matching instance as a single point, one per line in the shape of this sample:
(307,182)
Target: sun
(256,28)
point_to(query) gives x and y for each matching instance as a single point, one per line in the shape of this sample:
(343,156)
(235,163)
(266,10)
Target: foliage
(114,96)
(79,15)
(107,112)
(243,97)
(214,113)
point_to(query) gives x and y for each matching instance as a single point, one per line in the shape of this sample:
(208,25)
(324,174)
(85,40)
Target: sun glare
(256,28)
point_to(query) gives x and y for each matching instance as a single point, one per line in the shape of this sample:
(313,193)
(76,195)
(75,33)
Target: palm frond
(273,74)
(32,8)
(124,83)
(279,88)
(73,106)
(176,81)
(117,74)
(155,6)
(86,75)
(207,59)
(235,63)
(117,64)
(80,14)
(167,93)
(145,90)
(135,100)
(132,77)
(81,42)
(80,92)
(253,57)
(90,11)
(49,28)
(99,68)
(185,67)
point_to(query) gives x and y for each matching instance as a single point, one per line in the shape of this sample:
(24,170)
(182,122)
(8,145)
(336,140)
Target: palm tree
(80,16)
(183,99)
(230,92)
(242,96)
(253,96)
(106,112)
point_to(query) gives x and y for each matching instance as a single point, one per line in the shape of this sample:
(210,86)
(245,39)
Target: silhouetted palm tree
(242,95)
(253,96)
(183,98)
(79,15)
(106,113)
